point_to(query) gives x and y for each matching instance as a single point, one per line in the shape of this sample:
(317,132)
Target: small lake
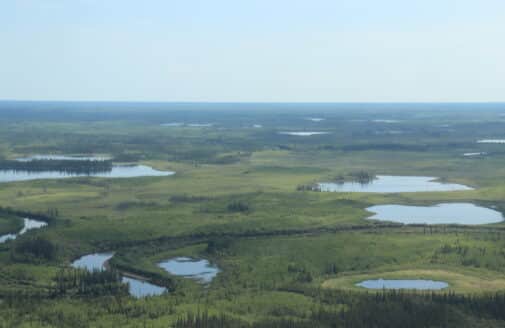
(137,288)
(449,213)
(492,141)
(118,171)
(303,133)
(174,124)
(418,284)
(392,184)
(386,121)
(29,224)
(193,125)
(198,269)
(140,288)
(62,158)
(474,154)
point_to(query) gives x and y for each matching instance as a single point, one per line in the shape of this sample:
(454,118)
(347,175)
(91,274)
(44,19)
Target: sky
(253,50)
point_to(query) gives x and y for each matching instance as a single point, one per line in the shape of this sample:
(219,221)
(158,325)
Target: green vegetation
(242,198)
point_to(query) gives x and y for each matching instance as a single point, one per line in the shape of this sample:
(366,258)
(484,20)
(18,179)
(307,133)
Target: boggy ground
(285,255)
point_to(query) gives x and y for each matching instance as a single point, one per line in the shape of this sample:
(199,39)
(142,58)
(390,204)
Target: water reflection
(391,184)
(28,224)
(117,171)
(449,213)
(137,287)
(198,269)
(418,284)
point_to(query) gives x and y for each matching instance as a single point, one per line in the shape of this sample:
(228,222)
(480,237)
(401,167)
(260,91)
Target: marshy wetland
(405,224)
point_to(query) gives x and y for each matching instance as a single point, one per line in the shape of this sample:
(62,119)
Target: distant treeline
(66,166)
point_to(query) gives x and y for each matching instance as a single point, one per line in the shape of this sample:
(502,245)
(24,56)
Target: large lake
(28,224)
(118,171)
(417,284)
(449,213)
(393,183)
(137,288)
(198,269)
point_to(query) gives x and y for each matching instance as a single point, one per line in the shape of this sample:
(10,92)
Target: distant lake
(137,288)
(194,125)
(418,284)
(392,184)
(474,154)
(492,141)
(28,224)
(385,121)
(118,171)
(303,133)
(62,158)
(198,269)
(449,213)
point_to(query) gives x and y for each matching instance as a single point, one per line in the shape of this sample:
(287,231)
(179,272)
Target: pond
(391,184)
(137,287)
(118,171)
(303,133)
(449,213)
(418,284)
(198,269)
(28,224)
(140,288)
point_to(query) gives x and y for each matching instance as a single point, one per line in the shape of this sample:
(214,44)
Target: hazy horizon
(260,51)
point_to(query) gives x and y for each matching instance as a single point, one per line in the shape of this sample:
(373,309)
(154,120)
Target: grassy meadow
(287,258)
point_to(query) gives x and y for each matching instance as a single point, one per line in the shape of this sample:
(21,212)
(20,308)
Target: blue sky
(253,50)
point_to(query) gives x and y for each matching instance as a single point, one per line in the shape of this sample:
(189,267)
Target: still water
(417,284)
(28,224)
(393,183)
(303,133)
(450,213)
(198,269)
(118,171)
(62,158)
(137,288)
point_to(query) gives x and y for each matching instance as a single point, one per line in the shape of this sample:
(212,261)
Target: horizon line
(251,102)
